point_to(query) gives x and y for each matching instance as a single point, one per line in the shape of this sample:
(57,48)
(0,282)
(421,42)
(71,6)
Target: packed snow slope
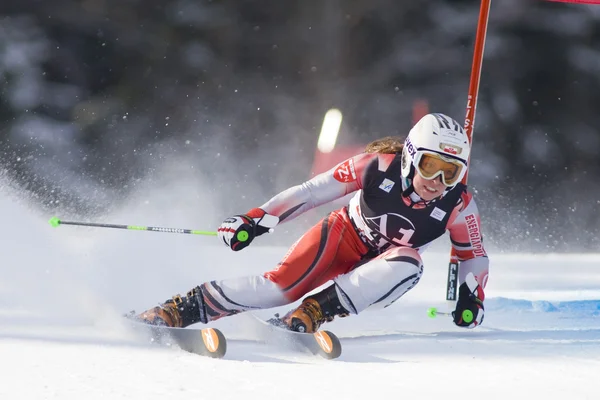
(62,293)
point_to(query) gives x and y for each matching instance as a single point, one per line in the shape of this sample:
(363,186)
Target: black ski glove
(469,310)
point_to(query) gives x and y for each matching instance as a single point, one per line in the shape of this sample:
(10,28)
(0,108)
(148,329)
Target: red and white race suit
(369,248)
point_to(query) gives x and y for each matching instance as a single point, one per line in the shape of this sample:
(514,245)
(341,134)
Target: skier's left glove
(469,307)
(237,232)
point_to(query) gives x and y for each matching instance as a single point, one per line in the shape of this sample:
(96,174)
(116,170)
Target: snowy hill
(63,292)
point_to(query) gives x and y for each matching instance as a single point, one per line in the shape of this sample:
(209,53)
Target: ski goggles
(431,165)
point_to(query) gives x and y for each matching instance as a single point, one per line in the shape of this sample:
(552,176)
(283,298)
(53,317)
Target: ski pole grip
(467,316)
(242,236)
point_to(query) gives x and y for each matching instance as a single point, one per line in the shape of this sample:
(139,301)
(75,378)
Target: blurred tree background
(97,94)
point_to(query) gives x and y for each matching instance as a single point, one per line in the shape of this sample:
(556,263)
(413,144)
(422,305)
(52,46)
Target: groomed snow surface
(62,293)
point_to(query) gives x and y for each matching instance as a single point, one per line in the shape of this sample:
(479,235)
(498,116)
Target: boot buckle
(177,299)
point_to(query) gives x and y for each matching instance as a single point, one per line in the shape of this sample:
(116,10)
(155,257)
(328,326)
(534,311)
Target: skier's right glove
(469,307)
(239,231)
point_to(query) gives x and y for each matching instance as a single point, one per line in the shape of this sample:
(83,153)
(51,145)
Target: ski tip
(214,342)
(329,344)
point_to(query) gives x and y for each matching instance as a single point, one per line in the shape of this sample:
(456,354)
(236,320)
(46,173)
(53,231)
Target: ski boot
(314,311)
(177,312)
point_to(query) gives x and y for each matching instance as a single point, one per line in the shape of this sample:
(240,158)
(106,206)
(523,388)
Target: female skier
(407,195)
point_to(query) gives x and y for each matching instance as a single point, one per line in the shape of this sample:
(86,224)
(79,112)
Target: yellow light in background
(329,130)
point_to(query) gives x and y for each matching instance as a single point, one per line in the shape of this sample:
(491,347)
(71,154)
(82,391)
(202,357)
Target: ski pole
(56,222)
(467,315)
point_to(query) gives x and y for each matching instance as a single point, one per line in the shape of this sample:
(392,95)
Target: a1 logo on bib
(391,227)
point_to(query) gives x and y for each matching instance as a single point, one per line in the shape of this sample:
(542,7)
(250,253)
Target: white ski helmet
(436,135)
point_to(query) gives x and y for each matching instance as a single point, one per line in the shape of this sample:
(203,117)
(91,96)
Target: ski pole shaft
(433,312)
(467,315)
(56,222)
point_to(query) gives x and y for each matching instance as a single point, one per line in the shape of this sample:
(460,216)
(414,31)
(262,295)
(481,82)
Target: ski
(323,343)
(208,342)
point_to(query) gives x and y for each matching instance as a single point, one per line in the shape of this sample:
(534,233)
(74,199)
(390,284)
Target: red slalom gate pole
(484,13)
(482,24)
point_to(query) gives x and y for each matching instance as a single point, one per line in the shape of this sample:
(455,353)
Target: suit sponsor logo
(474,235)
(386,185)
(438,214)
(345,172)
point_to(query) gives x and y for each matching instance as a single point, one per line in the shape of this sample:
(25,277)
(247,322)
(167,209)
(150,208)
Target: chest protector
(383,219)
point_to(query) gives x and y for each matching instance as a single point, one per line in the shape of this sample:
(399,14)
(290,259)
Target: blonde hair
(385,145)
